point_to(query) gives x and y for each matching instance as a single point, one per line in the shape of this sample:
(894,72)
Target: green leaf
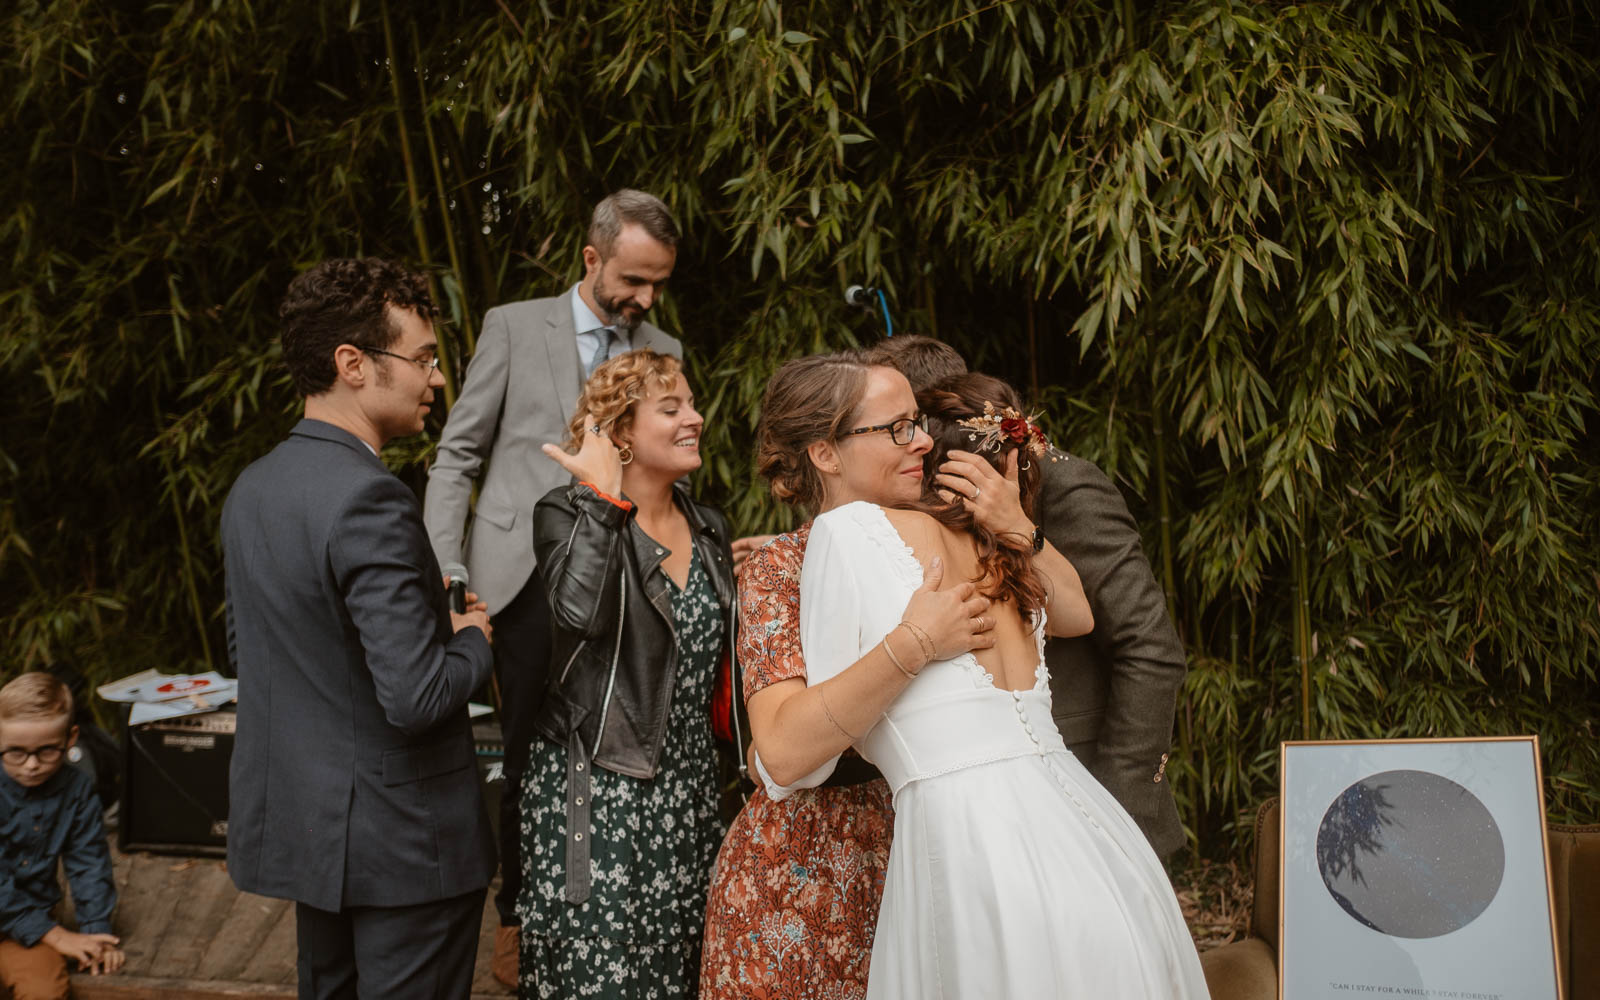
(167,186)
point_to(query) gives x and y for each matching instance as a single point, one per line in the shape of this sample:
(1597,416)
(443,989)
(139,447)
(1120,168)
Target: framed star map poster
(1415,868)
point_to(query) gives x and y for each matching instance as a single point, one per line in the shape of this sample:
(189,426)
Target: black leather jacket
(614,657)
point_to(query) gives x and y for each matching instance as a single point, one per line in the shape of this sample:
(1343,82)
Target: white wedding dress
(1013,872)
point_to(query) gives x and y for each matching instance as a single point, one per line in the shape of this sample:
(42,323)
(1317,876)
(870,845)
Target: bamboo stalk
(185,551)
(1164,509)
(1302,629)
(420,231)
(469,340)
(1033,351)
(1168,575)
(488,276)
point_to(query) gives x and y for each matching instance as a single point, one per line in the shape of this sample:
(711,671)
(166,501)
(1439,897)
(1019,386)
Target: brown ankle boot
(504,963)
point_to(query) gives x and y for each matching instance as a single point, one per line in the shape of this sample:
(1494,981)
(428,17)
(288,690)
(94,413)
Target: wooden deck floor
(190,935)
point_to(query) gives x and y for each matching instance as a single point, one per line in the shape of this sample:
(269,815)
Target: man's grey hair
(630,207)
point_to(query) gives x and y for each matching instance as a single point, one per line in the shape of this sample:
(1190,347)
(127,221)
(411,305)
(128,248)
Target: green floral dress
(653,841)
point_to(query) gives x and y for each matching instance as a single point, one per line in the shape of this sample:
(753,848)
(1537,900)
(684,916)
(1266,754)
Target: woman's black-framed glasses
(901,432)
(432,364)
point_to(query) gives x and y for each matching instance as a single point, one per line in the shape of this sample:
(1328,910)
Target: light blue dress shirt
(588,325)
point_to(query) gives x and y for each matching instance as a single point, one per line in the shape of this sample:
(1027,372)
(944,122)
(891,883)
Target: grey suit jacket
(521,389)
(353,780)
(1115,689)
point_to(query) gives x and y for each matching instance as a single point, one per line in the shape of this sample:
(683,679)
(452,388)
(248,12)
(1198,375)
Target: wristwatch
(1038,539)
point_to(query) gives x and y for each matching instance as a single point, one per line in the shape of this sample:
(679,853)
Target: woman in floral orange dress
(796,887)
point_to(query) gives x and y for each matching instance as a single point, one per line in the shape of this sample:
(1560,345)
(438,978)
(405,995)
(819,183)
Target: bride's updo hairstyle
(1006,561)
(808,400)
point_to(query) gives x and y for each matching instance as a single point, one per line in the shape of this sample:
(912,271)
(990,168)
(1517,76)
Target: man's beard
(611,312)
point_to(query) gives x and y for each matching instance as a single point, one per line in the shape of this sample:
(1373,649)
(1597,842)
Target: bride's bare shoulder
(910,520)
(919,530)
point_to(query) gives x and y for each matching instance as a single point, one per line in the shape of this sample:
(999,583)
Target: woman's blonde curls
(617,385)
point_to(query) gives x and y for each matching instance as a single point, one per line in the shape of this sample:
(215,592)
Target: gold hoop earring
(625,454)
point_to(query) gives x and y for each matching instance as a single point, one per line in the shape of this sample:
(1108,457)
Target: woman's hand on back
(953,620)
(598,461)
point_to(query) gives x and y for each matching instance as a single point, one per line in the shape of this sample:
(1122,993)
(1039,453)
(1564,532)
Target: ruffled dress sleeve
(769,613)
(769,635)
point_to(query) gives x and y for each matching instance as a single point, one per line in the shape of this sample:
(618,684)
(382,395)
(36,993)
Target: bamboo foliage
(1317,283)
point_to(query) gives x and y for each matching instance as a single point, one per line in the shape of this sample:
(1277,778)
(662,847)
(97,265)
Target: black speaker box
(175,785)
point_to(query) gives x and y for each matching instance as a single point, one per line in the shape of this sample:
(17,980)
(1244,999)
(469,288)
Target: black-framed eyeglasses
(432,364)
(16,756)
(901,432)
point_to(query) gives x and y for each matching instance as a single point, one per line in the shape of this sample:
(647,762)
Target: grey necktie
(605,335)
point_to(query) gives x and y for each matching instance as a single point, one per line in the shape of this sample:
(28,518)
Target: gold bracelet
(893,658)
(824,699)
(923,639)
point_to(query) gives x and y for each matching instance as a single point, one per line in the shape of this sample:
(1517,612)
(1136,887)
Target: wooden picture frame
(1415,868)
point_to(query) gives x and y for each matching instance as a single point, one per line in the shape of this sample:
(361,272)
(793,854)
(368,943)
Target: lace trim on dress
(1041,673)
(875,524)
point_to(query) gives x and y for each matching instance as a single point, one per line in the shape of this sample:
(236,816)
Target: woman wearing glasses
(619,808)
(796,887)
(1014,873)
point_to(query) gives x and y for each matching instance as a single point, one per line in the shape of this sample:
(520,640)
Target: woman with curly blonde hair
(619,803)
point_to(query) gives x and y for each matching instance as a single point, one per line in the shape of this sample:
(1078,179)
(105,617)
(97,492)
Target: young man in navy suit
(354,789)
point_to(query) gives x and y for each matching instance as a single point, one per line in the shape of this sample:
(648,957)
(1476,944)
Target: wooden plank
(208,895)
(240,935)
(275,957)
(145,906)
(189,933)
(123,987)
(483,980)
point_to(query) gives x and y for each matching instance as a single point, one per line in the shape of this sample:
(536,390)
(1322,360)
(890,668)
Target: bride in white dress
(1013,873)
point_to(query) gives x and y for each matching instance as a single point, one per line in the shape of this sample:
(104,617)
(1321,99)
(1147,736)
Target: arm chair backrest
(1264,915)
(1575,876)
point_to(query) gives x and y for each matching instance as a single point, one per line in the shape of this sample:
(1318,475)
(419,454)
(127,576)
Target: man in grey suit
(354,790)
(522,384)
(1114,690)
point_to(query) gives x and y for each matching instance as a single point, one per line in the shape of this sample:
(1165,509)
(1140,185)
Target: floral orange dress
(796,887)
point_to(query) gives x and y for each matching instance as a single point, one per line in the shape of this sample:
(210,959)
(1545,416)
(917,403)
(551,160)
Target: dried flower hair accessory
(990,431)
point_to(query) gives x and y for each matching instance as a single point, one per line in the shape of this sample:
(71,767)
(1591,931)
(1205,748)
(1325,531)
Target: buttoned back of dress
(952,716)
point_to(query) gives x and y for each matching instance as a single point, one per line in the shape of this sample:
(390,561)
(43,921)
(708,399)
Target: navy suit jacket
(353,780)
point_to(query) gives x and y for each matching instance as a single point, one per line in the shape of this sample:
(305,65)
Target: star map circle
(1410,853)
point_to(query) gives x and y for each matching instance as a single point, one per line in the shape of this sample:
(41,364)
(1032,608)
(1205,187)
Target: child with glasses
(48,812)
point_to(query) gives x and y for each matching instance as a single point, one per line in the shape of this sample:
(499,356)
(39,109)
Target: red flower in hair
(1015,428)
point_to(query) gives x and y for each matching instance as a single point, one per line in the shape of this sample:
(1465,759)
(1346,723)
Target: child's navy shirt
(59,819)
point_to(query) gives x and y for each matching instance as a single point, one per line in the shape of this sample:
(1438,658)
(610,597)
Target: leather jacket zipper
(672,658)
(616,652)
(562,680)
